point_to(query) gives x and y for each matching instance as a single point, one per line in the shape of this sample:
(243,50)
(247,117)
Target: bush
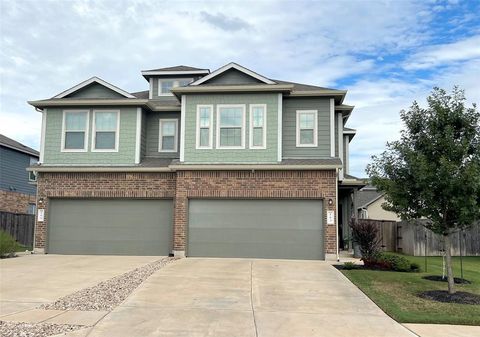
(394,262)
(365,234)
(349,265)
(8,245)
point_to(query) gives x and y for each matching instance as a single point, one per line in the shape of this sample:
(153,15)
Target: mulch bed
(439,278)
(460,297)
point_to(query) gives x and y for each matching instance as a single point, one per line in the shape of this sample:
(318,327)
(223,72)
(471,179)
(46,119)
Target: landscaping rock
(108,294)
(460,297)
(16,329)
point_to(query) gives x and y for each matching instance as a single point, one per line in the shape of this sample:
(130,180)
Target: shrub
(349,265)
(396,263)
(8,245)
(365,234)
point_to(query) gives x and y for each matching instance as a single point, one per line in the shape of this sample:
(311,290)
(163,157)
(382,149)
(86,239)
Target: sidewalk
(443,330)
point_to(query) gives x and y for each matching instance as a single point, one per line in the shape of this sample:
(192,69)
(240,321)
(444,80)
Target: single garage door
(110,226)
(283,229)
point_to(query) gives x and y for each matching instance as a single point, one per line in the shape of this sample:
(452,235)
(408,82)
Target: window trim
(117,131)
(175,84)
(87,129)
(315,128)
(217,129)
(160,137)
(264,127)
(210,128)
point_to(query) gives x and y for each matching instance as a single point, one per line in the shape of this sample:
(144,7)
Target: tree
(433,171)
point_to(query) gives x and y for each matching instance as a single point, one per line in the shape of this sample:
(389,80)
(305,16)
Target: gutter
(173,168)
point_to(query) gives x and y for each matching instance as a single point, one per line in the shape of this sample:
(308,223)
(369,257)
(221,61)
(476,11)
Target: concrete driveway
(30,280)
(243,297)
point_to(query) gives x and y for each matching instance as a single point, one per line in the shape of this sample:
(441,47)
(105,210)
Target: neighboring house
(17,186)
(369,205)
(227,163)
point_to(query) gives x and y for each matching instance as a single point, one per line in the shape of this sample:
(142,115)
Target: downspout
(336,216)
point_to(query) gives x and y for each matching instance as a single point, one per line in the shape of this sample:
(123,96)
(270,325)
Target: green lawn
(395,292)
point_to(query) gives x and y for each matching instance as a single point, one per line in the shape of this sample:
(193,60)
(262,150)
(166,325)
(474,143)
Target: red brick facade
(15,202)
(183,185)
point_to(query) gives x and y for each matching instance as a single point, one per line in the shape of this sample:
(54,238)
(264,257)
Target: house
(369,205)
(17,186)
(227,163)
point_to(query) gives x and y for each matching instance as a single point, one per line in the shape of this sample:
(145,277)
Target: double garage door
(110,226)
(286,229)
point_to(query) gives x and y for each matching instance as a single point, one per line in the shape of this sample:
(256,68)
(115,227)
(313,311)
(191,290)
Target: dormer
(162,80)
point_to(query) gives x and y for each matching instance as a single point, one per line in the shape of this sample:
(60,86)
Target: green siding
(152,139)
(95,90)
(233,76)
(231,155)
(126,147)
(290,107)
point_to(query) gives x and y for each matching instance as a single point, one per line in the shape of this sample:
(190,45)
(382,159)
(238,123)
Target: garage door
(110,226)
(284,229)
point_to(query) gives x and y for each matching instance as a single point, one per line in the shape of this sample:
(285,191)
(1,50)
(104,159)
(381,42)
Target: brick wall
(183,185)
(253,185)
(99,185)
(15,202)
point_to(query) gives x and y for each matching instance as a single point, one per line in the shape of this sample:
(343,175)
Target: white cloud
(442,54)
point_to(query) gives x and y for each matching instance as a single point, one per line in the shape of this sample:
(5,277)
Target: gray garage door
(110,226)
(284,229)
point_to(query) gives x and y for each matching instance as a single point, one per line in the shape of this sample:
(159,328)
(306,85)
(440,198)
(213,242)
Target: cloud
(228,23)
(438,55)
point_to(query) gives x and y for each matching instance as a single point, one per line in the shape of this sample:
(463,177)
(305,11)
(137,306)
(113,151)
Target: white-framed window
(204,126)
(258,126)
(231,126)
(168,131)
(106,129)
(167,84)
(307,128)
(74,130)
(32,176)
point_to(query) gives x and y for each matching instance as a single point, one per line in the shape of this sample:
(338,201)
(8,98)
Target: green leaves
(433,171)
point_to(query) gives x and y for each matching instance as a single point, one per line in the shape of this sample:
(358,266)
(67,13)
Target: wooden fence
(20,226)
(415,239)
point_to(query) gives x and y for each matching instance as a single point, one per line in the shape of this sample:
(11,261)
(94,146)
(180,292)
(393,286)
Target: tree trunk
(448,262)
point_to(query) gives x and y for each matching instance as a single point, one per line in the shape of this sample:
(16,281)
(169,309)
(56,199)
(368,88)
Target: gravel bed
(108,294)
(16,329)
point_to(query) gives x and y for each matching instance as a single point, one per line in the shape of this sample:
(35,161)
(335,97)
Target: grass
(22,248)
(396,292)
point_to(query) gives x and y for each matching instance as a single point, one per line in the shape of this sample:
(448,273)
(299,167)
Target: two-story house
(17,186)
(227,163)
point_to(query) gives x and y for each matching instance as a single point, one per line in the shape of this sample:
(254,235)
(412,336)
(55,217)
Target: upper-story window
(307,128)
(258,122)
(168,135)
(32,176)
(166,85)
(106,125)
(231,126)
(75,131)
(204,126)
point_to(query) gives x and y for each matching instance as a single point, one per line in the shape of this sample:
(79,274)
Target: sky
(385,53)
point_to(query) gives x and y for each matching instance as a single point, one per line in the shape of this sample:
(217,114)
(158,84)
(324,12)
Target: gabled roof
(176,70)
(14,145)
(233,65)
(90,81)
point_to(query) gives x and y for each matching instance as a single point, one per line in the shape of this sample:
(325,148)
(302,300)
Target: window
(165,85)
(31,208)
(231,126)
(32,176)
(75,126)
(258,122)
(307,128)
(105,130)
(168,135)
(204,126)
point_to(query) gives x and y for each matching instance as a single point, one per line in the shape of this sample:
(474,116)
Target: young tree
(433,171)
